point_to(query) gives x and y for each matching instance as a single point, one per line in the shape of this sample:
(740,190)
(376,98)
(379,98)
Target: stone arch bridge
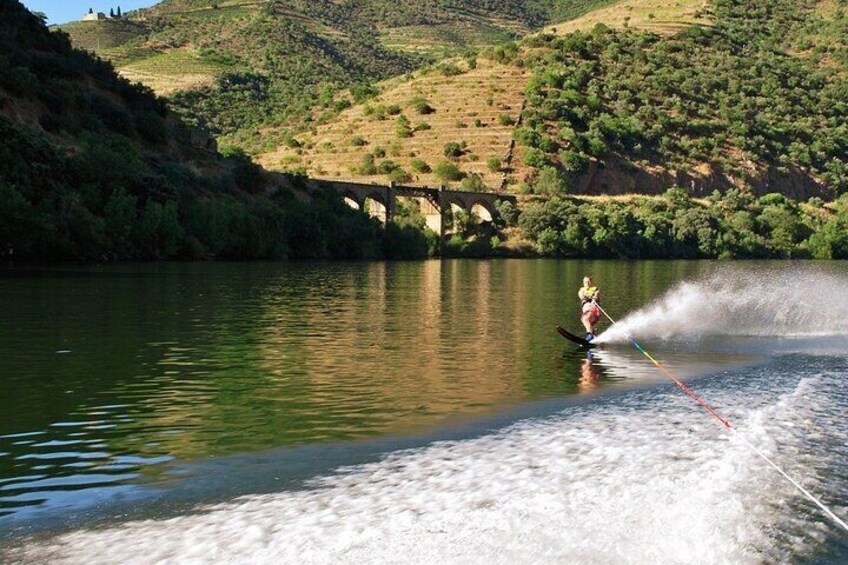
(381,201)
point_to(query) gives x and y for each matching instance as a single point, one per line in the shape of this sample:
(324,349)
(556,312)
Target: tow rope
(726,423)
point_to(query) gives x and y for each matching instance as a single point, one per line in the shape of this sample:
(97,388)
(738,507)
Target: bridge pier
(391,202)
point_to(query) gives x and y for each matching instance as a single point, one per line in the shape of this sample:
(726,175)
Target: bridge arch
(352,200)
(483,210)
(376,206)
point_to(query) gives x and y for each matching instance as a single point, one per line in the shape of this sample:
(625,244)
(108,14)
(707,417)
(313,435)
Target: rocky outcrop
(616,176)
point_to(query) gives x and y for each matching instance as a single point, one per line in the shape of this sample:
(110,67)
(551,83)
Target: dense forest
(94,168)
(733,225)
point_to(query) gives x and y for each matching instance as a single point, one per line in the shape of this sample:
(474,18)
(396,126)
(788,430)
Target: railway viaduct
(436,203)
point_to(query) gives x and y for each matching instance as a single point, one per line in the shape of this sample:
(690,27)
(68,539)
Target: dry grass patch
(659,16)
(459,103)
(828,8)
(174,70)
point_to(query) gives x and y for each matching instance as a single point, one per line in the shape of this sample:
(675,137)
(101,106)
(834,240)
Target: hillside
(708,95)
(477,106)
(236,65)
(474,109)
(659,16)
(702,95)
(94,168)
(710,107)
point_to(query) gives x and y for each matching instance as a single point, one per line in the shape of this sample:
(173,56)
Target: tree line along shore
(95,168)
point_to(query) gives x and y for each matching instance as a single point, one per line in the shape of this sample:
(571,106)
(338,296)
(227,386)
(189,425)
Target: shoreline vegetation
(94,168)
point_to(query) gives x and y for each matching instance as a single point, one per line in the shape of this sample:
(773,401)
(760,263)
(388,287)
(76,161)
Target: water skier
(590,296)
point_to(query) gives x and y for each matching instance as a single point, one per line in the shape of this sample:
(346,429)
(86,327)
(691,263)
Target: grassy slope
(170,28)
(329,153)
(100,35)
(659,16)
(143,49)
(459,100)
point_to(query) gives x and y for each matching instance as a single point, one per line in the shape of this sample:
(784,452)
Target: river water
(420,412)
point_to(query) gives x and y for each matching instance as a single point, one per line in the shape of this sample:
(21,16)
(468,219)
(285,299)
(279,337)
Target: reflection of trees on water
(214,359)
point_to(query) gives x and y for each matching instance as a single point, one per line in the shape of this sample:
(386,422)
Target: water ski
(576,339)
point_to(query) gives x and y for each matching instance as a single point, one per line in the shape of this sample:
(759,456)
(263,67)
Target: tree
(550,181)
(474,183)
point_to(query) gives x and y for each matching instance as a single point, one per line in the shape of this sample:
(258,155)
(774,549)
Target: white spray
(768,302)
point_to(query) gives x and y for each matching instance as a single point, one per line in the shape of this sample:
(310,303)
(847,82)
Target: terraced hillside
(475,110)
(237,65)
(658,16)
(734,104)
(479,107)
(709,96)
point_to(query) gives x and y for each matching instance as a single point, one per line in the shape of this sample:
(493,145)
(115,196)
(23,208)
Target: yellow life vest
(589,293)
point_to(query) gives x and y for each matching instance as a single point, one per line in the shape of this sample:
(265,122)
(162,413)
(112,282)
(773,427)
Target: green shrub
(447,171)
(474,183)
(398,175)
(449,69)
(573,161)
(454,150)
(549,181)
(534,158)
(420,166)
(506,120)
(402,127)
(386,166)
(367,166)
(362,92)
(341,105)
(422,105)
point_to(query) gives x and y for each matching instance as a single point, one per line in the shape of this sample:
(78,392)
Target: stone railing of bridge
(381,200)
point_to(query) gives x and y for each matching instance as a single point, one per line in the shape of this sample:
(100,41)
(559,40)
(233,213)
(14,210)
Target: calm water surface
(141,391)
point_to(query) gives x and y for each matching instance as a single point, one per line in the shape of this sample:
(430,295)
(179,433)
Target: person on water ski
(589,296)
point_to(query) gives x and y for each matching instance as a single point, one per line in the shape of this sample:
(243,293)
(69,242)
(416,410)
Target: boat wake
(769,302)
(634,479)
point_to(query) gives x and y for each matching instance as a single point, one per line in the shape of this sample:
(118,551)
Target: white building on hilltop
(91,16)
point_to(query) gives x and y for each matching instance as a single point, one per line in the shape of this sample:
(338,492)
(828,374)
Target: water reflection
(590,373)
(187,362)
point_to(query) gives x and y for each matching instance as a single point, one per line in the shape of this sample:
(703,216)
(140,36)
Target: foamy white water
(644,477)
(775,302)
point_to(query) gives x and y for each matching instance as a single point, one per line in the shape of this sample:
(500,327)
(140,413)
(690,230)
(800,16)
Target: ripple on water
(640,478)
